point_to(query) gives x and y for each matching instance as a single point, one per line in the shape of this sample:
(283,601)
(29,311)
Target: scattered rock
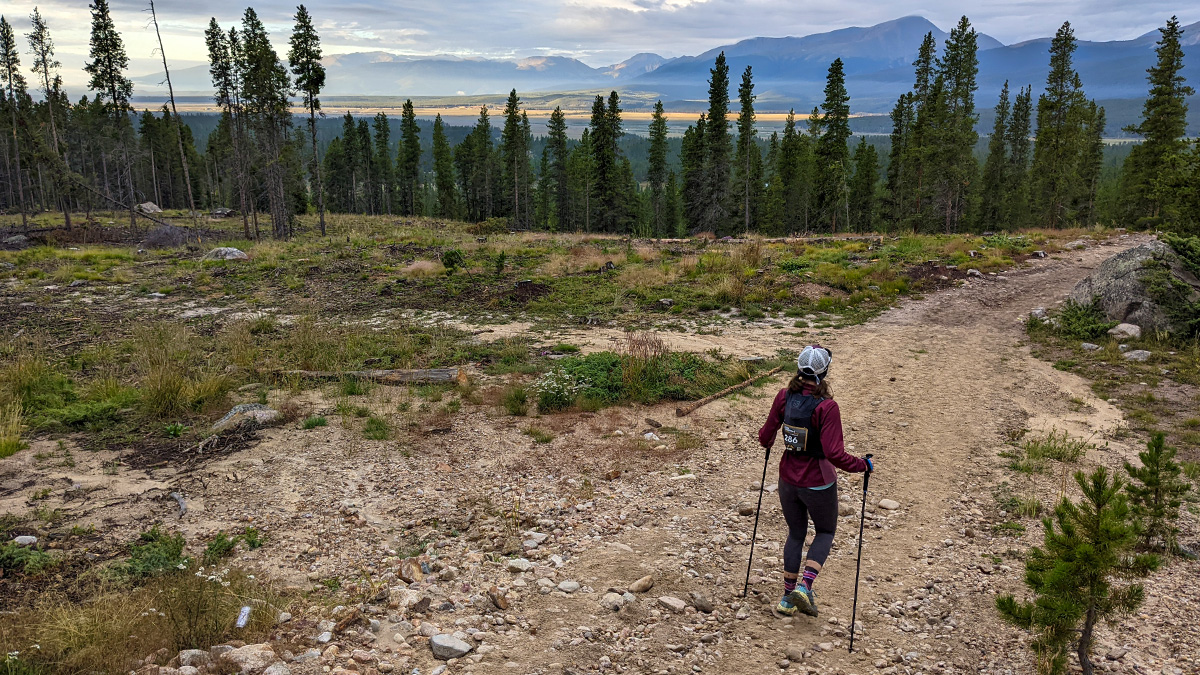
(794,653)
(666,302)
(1116,653)
(1137,355)
(519,565)
(642,585)
(612,601)
(974,273)
(447,647)
(651,436)
(700,602)
(149,207)
(226,253)
(497,598)
(672,603)
(251,658)
(246,413)
(1038,313)
(1122,293)
(569,586)
(1089,347)
(745,510)
(684,477)
(889,504)
(25,540)
(654,423)
(845,509)
(194,657)
(1125,331)
(277,668)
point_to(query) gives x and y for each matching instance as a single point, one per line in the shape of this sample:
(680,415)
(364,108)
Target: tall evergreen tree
(443,171)
(1056,183)
(955,168)
(266,88)
(1162,127)
(657,174)
(995,175)
(671,219)
(304,57)
(899,169)
(832,153)
(226,80)
(748,161)
(559,157)
(173,115)
(692,158)
(515,154)
(1091,160)
(715,214)
(862,187)
(609,199)
(14,90)
(1016,209)
(408,162)
(581,177)
(384,172)
(107,78)
(45,67)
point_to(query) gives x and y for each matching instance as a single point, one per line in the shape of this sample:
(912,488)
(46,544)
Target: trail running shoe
(785,608)
(803,599)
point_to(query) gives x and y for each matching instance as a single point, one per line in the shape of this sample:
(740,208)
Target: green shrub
(1078,321)
(1172,294)
(515,400)
(1156,493)
(154,553)
(539,435)
(353,386)
(1056,445)
(28,560)
(221,546)
(376,429)
(174,430)
(314,422)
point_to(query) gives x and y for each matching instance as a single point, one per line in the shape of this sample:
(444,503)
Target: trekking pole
(858,567)
(761,487)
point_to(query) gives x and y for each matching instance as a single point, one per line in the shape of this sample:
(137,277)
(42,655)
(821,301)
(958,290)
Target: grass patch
(538,434)
(376,429)
(515,400)
(10,430)
(1058,446)
(155,552)
(314,422)
(25,560)
(1009,529)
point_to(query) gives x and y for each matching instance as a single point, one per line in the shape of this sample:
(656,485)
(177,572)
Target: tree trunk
(177,123)
(1085,642)
(17,154)
(312,128)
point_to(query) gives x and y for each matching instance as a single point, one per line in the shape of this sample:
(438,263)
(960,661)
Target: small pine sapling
(1072,577)
(1155,494)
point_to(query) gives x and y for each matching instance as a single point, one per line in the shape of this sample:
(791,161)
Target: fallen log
(691,407)
(430,376)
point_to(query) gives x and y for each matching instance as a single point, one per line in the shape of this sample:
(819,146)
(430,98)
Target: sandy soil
(933,388)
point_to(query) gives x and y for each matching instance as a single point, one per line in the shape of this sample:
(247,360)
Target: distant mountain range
(788,71)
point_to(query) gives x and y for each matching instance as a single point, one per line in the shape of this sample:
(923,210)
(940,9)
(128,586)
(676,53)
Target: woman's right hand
(870,464)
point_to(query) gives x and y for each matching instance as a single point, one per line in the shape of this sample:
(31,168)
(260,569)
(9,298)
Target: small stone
(324,638)
(194,657)
(569,586)
(745,510)
(362,656)
(25,540)
(845,509)
(1137,355)
(700,602)
(1038,313)
(226,253)
(974,273)
(672,603)
(889,504)
(251,658)
(284,617)
(1125,331)
(277,668)
(642,585)
(794,653)
(1116,653)
(1089,347)
(825,647)
(688,477)
(497,598)
(651,436)
(519,565)
(447,647)
(612,601)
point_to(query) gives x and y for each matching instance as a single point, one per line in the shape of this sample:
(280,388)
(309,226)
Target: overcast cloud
(599,32)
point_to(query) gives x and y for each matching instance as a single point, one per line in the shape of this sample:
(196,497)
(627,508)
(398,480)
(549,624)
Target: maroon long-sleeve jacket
(805,471)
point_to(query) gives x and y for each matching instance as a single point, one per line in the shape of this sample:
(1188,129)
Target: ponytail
(823,390)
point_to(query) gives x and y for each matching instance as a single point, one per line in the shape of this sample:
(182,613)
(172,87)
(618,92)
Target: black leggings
(798,504)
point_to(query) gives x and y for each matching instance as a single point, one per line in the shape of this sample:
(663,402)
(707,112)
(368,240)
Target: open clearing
(939,388)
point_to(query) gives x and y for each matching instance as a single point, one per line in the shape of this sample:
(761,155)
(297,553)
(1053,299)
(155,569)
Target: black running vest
(800,436)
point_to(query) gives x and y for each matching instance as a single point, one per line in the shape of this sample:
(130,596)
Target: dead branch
(691,407)
(430,376)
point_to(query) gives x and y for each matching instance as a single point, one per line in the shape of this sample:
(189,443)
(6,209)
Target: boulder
(251,658)
(1117,283)
(148,207)
(889,504)
(1125,331)
(1137,355)
(194,657)
(226,253)
(25,540)
(246,413)
(447,647)
(1089,346)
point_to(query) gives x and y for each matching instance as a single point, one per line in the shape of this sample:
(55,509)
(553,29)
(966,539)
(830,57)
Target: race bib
(795,439)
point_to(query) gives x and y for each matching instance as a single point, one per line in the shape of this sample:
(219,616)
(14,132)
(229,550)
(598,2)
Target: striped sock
(789,585)
(810,575)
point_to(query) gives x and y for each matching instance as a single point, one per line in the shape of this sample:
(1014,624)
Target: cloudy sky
(598,32)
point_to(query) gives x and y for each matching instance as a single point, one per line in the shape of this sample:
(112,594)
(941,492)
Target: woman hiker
(813,447)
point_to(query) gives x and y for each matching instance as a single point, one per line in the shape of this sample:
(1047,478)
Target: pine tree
(1155,494)
(995,177)
(515,155)
(1056,183)
(692,156)
(227,86)
(899,171)
(544,189)
(609,198)
(862,187)
(557,142)
(581,178)
(45,67)
(443,171)
(266,88)
(671,219)
(921,141)
(715,214)
(1162,127)
(1016,210)
(1091,160)
(955,167)
(384,171)
(408,161)
(657,174)
(107,78)
(304,57)
(14,89)
(748,161)
(1072,577)
(832,153)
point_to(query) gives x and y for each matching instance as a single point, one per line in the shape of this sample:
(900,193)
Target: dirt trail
(931,389)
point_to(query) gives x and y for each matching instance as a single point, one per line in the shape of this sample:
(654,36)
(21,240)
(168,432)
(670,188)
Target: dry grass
(10,429)
(423,268)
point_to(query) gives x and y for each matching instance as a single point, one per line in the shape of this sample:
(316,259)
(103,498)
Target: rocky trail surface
(604,550)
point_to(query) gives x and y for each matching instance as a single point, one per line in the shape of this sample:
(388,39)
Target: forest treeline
(1043,165)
